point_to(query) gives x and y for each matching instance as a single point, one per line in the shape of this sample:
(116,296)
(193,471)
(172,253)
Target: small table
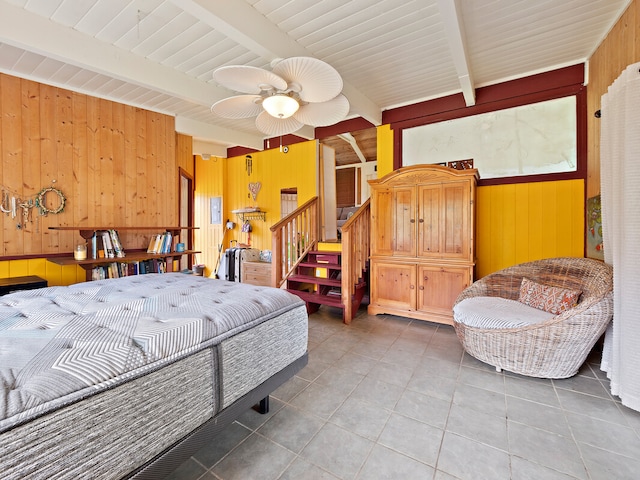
(256,273)
(13,284)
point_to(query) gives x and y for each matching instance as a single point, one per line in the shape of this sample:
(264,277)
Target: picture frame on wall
(216,210)
(595,246)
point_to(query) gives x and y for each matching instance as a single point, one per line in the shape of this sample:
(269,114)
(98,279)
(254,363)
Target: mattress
(101,376)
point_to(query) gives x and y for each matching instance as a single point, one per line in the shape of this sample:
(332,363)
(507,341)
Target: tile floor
(394,398)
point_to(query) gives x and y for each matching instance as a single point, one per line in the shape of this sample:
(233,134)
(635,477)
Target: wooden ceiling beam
(454,30)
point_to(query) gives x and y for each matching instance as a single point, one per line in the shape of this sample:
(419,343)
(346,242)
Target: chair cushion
(546,297)
(496,312)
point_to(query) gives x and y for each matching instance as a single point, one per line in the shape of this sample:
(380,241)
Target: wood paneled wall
(184,154)
(115,164)
(620,48)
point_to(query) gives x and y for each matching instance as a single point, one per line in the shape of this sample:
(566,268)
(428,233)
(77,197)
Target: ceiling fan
(298,91)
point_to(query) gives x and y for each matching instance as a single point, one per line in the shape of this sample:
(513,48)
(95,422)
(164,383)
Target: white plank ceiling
(160,54)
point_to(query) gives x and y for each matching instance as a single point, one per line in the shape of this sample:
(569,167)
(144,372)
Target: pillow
(545,297)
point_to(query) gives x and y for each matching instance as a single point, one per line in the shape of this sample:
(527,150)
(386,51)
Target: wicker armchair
(553,348)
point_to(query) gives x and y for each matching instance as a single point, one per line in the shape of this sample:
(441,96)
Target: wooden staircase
(298,260)
(318,281)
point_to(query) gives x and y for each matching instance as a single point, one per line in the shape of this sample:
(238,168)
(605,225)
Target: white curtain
(620,194)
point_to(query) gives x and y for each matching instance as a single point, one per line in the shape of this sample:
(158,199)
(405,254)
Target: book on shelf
(124,269)
(117,244)
(108,246)
(97,246)
(153,243)
(160,243)
(167,240)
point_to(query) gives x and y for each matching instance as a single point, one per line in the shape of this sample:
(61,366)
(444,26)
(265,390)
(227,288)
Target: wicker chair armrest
(493,285)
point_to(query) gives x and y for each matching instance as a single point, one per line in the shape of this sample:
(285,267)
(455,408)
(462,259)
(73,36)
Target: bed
(126,378)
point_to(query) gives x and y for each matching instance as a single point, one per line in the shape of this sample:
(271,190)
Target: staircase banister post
(276,265)
(347,285)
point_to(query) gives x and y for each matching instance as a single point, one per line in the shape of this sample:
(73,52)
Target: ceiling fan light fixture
(280,105)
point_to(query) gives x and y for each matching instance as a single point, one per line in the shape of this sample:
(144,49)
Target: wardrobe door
(455,235)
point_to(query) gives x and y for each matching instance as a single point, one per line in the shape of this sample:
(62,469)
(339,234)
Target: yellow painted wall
(385,150)
(54,274)
(514,223)
(229,179)
(522,222)
(210,176)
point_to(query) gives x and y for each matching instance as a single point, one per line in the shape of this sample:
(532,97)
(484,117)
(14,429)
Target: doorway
(185,209)
(288,201)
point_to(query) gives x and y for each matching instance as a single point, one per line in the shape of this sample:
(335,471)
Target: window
(532,139)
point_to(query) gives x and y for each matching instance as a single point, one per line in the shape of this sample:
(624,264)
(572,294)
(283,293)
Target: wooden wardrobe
(422,241)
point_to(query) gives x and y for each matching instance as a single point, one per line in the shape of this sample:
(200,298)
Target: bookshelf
(130,256)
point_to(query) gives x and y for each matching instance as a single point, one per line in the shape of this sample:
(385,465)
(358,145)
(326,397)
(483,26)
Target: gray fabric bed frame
(165,463)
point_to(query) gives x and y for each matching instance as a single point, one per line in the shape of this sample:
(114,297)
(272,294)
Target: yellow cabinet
(422,240)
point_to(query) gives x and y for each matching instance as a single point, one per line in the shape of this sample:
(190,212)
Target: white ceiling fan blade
(325,113)
(241,106)
(276,127)
(247,79)
(319,80)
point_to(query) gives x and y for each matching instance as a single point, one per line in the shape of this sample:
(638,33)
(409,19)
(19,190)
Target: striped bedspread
(59,345)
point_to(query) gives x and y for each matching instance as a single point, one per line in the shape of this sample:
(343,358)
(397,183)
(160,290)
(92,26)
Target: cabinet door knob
(421,220)
(421,287)
(413,220)
(412,287)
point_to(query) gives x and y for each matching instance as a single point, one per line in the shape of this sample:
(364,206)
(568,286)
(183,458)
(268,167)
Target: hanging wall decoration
(42,204)
(46,201)
(254,188)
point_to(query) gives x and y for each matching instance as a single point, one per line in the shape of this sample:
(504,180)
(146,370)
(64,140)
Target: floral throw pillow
(544,297)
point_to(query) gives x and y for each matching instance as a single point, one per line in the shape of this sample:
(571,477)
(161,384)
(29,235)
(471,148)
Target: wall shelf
(250,214)
(131,256)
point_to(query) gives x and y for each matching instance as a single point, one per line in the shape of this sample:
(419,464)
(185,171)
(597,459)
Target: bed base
(166,462)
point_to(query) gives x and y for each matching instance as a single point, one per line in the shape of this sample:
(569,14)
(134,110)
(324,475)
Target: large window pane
(526,140)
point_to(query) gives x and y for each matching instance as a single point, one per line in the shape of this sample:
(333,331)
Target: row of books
(160,243)
(106,244)
(121,269)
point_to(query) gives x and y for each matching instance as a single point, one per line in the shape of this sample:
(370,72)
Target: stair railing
(355,254)
(291,239)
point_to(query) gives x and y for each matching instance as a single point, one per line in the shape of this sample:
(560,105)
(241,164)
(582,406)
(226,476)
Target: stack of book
(120,269)
(160,243)
(106,244)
